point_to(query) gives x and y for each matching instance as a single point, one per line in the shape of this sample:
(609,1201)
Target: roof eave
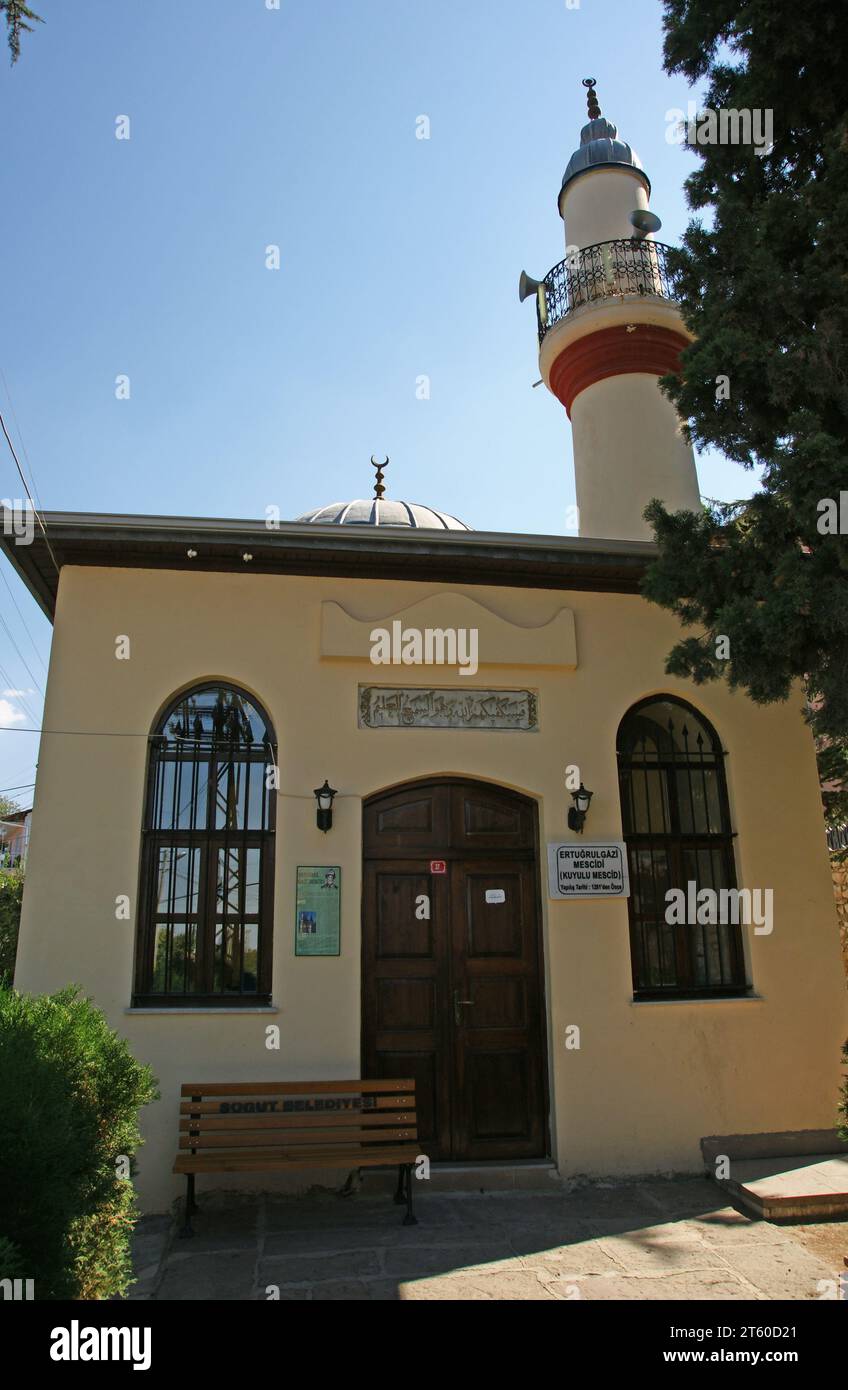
(477,557)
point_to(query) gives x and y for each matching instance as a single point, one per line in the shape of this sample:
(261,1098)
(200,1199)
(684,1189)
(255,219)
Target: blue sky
(399,257)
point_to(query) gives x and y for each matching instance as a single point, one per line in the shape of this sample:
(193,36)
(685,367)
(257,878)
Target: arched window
(207,863)
(677,827)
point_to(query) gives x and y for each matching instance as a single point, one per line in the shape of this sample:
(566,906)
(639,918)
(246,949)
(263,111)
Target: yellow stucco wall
(649,1079)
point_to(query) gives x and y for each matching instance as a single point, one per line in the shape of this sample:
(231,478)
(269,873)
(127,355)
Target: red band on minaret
(643,347)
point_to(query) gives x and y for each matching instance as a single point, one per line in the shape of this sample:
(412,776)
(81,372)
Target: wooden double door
(452,981)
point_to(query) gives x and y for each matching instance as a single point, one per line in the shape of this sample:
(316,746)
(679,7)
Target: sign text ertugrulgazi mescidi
(588,871)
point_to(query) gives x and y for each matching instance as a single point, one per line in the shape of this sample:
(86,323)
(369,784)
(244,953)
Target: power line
(23,620)
(102,733)
(86,733)
(8,632)
(31,767)
(29,497)
(20,435)
(24,786)
(10,685)
(22,699)
(2,572)
(21,786)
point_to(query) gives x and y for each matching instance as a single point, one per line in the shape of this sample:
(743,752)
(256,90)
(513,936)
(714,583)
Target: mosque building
(453,823)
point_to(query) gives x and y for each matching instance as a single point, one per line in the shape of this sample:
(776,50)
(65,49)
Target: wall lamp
(577,812)
(324,796)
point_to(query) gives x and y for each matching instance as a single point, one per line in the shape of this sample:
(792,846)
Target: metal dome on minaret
(600,146)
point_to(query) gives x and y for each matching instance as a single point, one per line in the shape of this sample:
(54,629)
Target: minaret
(608,329)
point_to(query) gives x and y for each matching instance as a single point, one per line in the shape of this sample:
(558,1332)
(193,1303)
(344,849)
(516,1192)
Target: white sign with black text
(588,871)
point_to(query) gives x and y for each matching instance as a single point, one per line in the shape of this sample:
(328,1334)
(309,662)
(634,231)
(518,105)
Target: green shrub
(11,893)
(11,1263)
(71,1094)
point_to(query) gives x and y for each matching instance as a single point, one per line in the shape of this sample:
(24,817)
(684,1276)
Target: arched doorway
(452,979)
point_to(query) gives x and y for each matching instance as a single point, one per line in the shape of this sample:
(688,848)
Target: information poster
(576,870)
(317,929)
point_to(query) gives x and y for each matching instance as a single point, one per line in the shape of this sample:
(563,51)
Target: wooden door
(452,981)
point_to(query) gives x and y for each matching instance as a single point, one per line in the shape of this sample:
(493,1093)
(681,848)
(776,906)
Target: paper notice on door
(495,895)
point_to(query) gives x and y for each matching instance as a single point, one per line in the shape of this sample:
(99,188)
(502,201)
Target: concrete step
(799,1175)
(810,1187)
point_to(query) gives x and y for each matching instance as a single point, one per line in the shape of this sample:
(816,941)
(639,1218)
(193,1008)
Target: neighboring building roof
(383,512)
(353,552)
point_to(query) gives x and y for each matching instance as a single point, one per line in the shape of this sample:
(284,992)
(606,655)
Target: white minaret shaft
(610,332)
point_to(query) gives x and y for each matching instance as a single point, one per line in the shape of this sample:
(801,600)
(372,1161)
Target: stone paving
(653,1239)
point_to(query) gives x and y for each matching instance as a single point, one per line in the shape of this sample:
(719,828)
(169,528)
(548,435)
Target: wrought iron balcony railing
(602,271)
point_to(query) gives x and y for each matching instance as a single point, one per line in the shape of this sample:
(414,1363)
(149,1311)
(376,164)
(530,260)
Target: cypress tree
(762,280)
(16,14)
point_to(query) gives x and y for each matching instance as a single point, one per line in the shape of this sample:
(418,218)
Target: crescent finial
(592,98)
(379,489)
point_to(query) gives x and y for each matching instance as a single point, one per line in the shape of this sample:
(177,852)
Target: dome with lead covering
(374,511)
(600,145)
(382,511)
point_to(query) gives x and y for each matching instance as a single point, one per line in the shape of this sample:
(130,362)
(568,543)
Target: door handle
(457,1006)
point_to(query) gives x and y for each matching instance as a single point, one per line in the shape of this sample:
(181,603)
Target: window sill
(700,999)
(204,1009)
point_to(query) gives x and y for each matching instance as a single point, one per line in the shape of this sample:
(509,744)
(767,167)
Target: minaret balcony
(606,271)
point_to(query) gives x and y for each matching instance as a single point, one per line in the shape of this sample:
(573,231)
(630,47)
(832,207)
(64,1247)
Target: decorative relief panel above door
(500,641)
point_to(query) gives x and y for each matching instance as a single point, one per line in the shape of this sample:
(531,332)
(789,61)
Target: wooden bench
(278,1126)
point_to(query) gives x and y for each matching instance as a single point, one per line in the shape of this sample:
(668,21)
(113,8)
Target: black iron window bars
(677,829)
(207,863)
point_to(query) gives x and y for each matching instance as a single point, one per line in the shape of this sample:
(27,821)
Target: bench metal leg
(399,1193)
(190,1207)
(351,1183)
(410,1219)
